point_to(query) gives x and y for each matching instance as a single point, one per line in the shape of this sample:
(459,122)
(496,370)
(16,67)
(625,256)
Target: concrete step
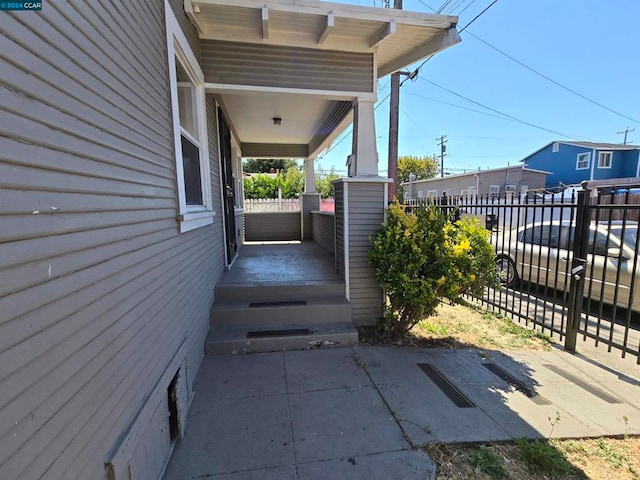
(234,340)
(277,312)
(278,291)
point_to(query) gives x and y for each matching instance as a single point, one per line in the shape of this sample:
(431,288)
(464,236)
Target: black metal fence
(568,262)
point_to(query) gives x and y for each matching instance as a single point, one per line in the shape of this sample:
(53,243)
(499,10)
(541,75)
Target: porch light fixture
(277,121)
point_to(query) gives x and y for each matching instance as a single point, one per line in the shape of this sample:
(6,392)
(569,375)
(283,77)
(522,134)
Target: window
(604,159)
(494,189)
(584,161)
(555,147)
(432,193)
(447,192)
(195,207)
(420,194)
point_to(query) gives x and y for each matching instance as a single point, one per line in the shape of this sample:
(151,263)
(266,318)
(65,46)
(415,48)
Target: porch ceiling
(393,38)
(399,37)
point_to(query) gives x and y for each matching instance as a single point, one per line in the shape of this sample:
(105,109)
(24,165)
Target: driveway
(364,412)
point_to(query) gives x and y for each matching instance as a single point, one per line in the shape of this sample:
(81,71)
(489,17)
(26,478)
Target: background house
(572,162)
(497,181)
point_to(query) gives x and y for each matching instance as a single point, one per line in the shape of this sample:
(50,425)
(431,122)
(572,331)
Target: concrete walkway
(363,412)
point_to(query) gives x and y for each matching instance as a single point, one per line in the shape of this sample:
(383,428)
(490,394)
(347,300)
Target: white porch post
(364,161)
(309,176)
(309,200)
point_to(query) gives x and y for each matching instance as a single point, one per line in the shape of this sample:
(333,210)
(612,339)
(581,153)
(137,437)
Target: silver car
(541,253)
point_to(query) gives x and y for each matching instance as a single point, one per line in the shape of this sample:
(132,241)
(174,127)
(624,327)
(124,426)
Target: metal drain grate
(284,303)
(517,384)
(292,332)
(584,385)
(447,387)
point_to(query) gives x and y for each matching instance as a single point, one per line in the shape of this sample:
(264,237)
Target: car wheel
(507,273)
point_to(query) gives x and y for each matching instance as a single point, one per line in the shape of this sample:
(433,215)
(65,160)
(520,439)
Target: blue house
(572,162)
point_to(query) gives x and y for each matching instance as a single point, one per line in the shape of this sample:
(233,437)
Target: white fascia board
(341,10)
(439,42)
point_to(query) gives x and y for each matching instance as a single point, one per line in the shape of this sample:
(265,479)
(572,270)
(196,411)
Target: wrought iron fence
(568,262)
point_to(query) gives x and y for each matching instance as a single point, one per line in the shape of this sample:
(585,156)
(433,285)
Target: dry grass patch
(463,326)
(593,458)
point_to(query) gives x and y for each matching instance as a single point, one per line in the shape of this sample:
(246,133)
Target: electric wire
(524,122)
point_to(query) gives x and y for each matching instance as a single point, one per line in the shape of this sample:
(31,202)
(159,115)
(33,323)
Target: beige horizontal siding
(97,286)
(272,226)
(286,67)
(324,230)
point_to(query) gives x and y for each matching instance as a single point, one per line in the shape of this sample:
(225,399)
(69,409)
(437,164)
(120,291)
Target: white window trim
(610,161)
(494,189)
(189,216)
(555,147)
(432,193)
(588,155)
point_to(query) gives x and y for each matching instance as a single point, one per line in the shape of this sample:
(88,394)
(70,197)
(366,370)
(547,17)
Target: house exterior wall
(287,67)
(339,223)
(324,227)
(272,226)
(458,183)
(563,164)
(98,288)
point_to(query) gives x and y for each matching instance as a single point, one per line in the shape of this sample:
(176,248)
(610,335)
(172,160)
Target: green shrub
(423,258)
(485,460)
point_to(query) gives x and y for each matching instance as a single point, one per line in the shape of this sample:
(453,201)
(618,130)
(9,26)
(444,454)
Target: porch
(280,295)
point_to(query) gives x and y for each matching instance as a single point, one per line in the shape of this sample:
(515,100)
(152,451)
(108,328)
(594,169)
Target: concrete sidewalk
(363,412)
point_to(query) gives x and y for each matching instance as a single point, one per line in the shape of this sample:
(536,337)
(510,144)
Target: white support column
(365,153)
(309,176)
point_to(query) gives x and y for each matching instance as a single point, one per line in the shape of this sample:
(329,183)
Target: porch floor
(282,262)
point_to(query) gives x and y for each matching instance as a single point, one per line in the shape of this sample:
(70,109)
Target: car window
(545,235)
(531,235)
(598,244)
(550,236)
(630,234)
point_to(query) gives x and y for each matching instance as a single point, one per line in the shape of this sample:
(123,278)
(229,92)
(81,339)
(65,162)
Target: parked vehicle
(541,253)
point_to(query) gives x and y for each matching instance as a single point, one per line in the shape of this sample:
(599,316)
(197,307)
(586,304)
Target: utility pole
(626,131)
(443,152)
(394,113)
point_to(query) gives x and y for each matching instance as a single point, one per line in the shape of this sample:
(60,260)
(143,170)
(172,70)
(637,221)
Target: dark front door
(228,187)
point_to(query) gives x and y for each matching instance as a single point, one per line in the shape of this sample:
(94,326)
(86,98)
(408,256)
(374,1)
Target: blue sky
(590,46)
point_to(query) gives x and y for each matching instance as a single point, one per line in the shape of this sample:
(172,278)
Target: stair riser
(274,316)
(259,345)
(278,292)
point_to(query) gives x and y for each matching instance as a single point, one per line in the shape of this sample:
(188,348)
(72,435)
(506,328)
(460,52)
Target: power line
(555,132)
(546,77)
(417,70)
(531,69)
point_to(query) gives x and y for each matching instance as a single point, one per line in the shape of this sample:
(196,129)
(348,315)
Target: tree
(421,167)
(257,165)
(323,184)
(292,183)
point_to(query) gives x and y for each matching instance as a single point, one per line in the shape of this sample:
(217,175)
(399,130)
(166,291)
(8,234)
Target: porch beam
(382,33)
(253,89)
(437,43)
(192,10)
(265,23)
(327,28)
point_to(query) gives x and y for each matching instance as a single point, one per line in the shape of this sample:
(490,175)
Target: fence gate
(568,263)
